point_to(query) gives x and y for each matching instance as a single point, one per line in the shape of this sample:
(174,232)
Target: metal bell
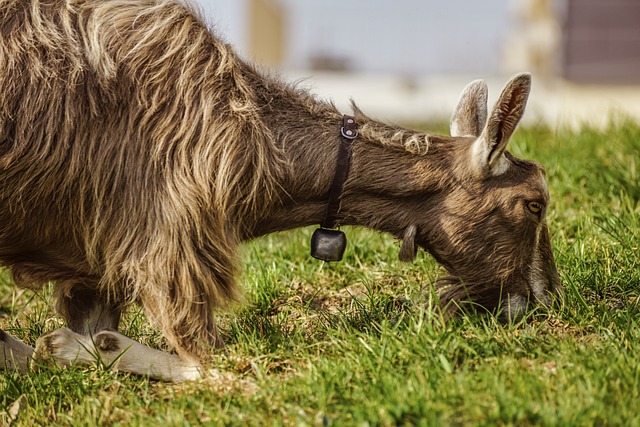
(328,245)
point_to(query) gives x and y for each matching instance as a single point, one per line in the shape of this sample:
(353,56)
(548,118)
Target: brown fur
(137,151)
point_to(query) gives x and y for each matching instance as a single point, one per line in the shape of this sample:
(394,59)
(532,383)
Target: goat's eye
(535,207)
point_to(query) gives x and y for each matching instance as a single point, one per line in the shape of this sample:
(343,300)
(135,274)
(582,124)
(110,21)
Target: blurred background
(407,61)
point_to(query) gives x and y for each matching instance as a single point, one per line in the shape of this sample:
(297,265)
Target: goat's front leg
(91,339)
(14,354)
(115,351)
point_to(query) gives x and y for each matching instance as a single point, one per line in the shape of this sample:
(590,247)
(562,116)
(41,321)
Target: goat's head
(490,231)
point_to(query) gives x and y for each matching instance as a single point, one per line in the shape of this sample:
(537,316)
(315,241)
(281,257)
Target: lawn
(360,342)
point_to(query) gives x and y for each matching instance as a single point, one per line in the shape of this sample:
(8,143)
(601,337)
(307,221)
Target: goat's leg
(194,336)
(92,339)
(115,351)
(86,310)
(14,354)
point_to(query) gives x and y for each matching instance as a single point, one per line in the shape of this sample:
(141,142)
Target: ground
(360,342)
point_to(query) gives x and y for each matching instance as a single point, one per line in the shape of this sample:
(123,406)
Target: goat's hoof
(107,341)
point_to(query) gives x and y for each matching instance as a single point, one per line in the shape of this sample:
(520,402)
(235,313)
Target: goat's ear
(488,150)
(470,115)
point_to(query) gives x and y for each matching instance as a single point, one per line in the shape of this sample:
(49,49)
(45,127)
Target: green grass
(359,343)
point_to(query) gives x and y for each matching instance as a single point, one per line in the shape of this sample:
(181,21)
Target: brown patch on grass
(307,304)
(550,367)
(331,300)
(230,383)
(223,383)
(560,329)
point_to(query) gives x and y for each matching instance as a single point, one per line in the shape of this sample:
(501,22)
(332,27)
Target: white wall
(401,36)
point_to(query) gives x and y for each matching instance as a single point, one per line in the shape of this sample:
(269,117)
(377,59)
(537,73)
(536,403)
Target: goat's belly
(34,262)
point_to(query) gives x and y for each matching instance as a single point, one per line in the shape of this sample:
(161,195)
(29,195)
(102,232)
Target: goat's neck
(384,183)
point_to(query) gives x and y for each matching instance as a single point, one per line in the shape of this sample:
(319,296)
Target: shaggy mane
(391,136)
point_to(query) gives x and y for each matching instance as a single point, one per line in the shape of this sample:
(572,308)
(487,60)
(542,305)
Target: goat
(138,151)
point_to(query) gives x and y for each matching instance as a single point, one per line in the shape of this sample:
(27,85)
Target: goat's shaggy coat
(137,151)
(134,156)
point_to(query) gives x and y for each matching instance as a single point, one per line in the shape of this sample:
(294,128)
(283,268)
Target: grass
(359,343)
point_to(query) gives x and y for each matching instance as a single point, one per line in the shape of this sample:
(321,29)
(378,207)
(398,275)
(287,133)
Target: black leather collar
(348,133)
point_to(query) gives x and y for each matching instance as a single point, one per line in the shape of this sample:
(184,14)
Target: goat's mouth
(458,297)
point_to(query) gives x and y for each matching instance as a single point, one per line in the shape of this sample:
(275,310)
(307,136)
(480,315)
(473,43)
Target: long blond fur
(111,100)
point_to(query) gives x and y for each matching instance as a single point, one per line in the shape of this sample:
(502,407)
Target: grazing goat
(138,151)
